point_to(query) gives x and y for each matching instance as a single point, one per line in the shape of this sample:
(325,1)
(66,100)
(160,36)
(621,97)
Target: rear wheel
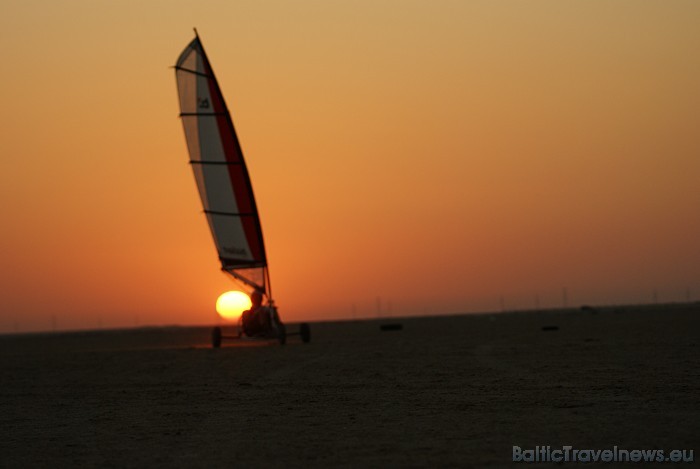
(216,337)
(305,332)
(281,334)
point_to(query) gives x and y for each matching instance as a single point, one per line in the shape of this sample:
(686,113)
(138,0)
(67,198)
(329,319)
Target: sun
(231,304)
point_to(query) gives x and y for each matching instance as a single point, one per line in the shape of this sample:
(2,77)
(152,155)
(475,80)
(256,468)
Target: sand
(443,391)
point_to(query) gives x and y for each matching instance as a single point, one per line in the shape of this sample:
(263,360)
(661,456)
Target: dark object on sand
(391,327)
(588,309)
(305,332)
(550,328)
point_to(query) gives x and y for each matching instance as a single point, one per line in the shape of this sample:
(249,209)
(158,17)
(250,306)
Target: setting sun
(231,304)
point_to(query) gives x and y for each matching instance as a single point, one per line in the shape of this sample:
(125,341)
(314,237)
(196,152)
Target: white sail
(219,169)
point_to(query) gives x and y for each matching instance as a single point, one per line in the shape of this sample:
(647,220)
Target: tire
(216,337)
(282,334)
(305,332)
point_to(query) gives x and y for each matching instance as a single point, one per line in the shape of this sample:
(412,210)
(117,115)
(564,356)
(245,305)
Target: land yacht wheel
(282,334)
(216,337)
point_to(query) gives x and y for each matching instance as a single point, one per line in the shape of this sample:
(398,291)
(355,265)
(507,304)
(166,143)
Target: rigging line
(240,278)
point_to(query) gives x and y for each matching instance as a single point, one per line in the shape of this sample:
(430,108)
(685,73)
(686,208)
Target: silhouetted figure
(256,320)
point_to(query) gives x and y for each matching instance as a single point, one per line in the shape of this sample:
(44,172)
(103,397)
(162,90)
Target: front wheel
(282,334)
(216,337)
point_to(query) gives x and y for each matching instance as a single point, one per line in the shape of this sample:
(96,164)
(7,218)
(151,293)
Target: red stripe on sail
(239,181)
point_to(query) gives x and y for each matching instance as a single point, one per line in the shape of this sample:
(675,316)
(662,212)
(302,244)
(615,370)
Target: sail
(219,169)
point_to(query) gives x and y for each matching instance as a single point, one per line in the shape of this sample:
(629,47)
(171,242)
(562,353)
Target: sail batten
(215,162)
(189,114)
(230,214)
(219,168)
(182,69)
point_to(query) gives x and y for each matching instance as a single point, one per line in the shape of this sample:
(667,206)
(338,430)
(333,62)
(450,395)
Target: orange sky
(439,155)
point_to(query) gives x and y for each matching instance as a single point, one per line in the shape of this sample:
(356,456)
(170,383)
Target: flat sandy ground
(445,391)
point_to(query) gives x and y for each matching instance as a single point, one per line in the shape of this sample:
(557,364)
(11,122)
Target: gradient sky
(443,156)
